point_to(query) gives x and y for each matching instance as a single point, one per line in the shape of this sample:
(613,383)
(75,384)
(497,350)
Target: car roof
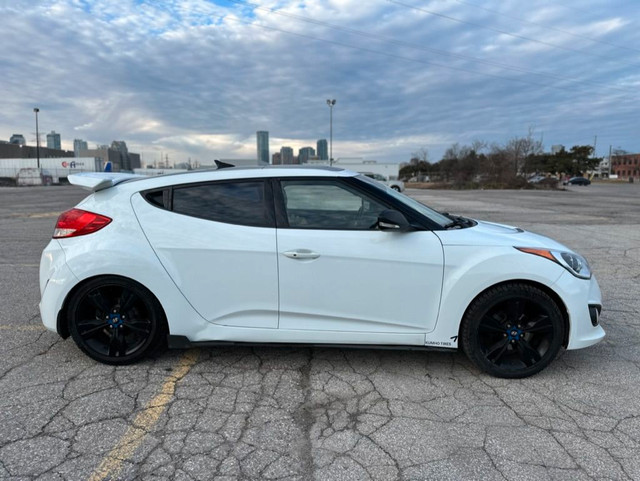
(229,173)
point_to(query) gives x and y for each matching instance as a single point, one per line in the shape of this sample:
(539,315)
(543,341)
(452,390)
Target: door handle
(301,254)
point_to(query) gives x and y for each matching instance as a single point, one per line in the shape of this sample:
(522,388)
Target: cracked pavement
(327,414)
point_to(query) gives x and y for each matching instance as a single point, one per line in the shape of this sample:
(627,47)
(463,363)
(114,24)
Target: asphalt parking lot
(327,414)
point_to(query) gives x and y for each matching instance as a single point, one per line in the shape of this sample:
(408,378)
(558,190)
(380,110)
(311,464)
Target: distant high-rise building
(78,145)
(263,146)
(106,156)
(286,155)
(305,153)
(53,140)
(121,147)
(323,149)
(17,139)
(276,158)
(134,161)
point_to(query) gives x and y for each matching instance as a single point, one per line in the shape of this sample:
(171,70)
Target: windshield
(436,217)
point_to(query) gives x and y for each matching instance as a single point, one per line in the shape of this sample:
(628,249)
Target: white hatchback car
(316,256)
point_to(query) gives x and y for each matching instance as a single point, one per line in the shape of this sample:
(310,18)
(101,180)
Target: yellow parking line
(36,215)
(142,424)
(42,215)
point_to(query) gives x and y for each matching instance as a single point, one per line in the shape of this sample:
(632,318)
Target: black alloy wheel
(512,331)
(115,320)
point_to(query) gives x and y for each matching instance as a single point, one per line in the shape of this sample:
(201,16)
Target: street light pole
(331,103)
(36,110)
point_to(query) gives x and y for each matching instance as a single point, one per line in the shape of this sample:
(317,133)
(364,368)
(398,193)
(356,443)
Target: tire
(116,321)
(512,331)
(396,188)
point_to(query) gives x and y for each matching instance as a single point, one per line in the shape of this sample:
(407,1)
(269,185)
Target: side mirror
(394,221)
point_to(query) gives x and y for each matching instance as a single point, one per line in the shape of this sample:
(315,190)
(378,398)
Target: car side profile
(297,255)
(577,181)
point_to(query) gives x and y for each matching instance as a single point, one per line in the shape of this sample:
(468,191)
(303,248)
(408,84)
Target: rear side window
(230,202)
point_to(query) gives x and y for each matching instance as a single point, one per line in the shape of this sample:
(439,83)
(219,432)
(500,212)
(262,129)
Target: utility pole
(609,161)
(331,103)
(36,110)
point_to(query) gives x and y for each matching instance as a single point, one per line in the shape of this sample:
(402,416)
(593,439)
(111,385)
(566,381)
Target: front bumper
(581,298)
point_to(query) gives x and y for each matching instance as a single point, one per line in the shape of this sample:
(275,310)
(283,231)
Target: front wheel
(512,331)
(115,320)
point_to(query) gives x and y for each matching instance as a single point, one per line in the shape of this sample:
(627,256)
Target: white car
(396,185)
(318,256)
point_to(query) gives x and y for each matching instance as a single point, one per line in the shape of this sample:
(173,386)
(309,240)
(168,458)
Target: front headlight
(574,263)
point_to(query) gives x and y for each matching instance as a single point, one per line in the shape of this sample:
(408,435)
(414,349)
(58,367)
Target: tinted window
(328,204)
(229,202)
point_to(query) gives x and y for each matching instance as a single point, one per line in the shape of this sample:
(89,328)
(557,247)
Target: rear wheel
(512,331)
(115,320)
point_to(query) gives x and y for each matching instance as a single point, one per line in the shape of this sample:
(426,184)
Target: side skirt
(182,342)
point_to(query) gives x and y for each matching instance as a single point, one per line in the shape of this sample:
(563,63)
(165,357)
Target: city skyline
(78,145)
(406,76)
(305,153)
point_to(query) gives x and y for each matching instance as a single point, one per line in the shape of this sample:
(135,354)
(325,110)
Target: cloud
(192,78)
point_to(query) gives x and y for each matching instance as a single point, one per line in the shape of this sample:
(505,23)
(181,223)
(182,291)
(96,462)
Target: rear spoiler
(95,181)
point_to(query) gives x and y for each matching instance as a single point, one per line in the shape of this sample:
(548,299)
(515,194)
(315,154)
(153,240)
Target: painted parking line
(112,464)
(35,215)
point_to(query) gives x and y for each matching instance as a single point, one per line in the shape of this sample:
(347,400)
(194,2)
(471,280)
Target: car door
(217,241)
(339,272)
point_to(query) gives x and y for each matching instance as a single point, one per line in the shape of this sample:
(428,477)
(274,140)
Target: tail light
(76,222)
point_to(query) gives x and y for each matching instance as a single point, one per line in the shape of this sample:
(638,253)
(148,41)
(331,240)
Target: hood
(491,234)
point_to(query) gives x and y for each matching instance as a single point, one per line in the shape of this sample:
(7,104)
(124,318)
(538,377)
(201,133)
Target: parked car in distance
(294,255)
(577,181)
(536,179)
(33,176)
(543,180)
(396,185)
(420,178)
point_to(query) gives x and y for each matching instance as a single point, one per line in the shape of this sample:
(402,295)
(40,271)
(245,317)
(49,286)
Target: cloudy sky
(196,79)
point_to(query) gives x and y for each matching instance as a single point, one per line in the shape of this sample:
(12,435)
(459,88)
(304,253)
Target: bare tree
(519,149)
(420,155)
(479,145)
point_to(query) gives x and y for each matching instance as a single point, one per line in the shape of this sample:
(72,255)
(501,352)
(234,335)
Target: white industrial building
(56,168)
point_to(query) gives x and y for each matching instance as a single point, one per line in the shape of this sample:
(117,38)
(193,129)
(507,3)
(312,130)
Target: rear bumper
(56,280)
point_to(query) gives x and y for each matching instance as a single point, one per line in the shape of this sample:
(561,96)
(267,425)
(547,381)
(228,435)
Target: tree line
(495,165)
